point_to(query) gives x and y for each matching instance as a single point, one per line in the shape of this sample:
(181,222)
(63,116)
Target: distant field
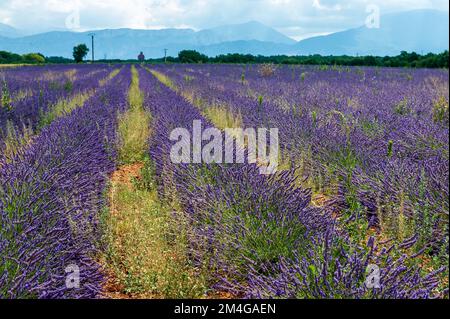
(11,65)
(93,205)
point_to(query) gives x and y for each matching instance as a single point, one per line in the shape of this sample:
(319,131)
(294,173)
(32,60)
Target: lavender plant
(50,197)
(259,235)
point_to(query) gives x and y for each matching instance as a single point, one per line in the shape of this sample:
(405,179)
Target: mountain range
(421,31)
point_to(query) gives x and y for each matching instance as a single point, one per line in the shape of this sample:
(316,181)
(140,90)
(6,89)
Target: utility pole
(92,46)
(165,55)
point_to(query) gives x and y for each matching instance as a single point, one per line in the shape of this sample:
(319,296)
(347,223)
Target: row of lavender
(258,235)
(50,199)
(375,140)
(28,92)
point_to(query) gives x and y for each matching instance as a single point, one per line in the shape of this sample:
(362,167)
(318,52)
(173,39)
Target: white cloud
(296,18)
(332,7)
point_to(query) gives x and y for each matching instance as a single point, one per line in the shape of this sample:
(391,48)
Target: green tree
(8,57)
(192,56)
(79,52)
(33,58)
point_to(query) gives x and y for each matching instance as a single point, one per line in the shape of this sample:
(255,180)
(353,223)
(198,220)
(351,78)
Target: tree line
(79,53)
(404,59)
(13,58)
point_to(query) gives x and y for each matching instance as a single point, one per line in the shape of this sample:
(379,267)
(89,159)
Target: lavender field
(92,204)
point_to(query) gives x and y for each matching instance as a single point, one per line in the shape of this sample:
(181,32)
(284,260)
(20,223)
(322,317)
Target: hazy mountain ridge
(422,31)
(9,32)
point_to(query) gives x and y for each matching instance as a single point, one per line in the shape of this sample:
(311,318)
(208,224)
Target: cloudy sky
(295,18)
